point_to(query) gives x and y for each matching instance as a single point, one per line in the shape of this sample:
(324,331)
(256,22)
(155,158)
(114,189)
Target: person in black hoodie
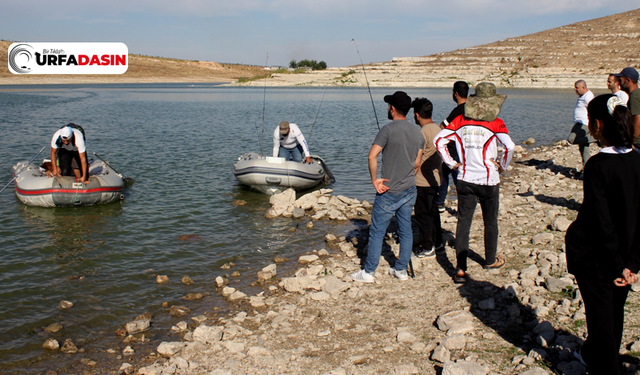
(603,251)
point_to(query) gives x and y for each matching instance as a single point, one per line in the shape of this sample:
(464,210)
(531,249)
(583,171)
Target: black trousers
(468,197)
(604,308)
(65,159)
(428,217)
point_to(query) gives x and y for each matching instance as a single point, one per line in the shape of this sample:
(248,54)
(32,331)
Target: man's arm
(84,176)
(636,126)
(378,183)
(276,143)
(418,163)
(54,162)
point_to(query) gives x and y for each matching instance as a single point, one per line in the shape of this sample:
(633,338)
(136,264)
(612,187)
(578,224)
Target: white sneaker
(363,277)
(400,275)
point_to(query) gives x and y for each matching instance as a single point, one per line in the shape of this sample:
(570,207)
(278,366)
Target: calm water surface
(178,142)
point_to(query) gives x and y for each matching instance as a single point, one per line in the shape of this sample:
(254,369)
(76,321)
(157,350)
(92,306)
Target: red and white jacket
(477,146)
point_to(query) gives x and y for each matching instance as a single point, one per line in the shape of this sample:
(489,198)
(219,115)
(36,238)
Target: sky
(274,32)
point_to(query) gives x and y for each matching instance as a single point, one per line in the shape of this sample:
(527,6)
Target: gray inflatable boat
(273,175)
(35,188)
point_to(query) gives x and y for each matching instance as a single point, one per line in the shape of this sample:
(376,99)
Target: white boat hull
(35,188)
(272,175)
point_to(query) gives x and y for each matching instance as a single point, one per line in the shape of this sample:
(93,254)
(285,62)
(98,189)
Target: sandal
(460,279)
(497,264)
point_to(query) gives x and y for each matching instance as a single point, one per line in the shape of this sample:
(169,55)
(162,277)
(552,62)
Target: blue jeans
(384,207)
(294,154)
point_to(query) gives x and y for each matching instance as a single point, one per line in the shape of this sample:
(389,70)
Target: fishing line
(317,112)
(264,103)
(365,78)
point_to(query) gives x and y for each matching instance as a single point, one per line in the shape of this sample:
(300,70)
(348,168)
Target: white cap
(66,132)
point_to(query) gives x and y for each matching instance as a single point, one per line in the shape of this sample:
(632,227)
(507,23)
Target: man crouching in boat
(68,151)
(289,143)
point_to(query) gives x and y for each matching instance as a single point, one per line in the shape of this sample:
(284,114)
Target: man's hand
(500,170)
(627,278)
(381,188)
(308,160)
(456,166)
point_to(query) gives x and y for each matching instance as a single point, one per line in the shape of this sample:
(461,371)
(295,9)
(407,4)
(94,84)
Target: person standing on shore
(613,84)
(427,182)
(289,143)
(460,93)
(401,144)
(580,132)
(602,245)
(629,83)
(476,135)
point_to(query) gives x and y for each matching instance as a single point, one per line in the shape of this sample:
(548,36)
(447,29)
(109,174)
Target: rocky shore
(524,318)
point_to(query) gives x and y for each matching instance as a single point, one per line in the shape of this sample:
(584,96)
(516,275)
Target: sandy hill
(552,58)
(141,69)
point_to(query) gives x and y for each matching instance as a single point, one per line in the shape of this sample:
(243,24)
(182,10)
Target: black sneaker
(441,207)
(440,248)
(426,253)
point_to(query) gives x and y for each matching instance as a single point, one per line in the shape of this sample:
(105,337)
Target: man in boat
(69,153)
(401,144)
(289,143)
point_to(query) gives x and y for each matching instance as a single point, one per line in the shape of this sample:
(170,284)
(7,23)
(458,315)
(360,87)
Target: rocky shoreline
(525,318)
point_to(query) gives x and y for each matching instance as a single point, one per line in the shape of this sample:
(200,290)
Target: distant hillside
(141,69)
(553,58)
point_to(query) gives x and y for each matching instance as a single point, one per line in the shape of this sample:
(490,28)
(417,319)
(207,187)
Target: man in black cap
(401,144)
(629,83)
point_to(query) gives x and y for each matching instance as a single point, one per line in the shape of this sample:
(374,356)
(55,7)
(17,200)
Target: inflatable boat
(273,175)
(34,187)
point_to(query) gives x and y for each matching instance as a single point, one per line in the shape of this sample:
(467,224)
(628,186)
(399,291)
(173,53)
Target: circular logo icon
(21,58)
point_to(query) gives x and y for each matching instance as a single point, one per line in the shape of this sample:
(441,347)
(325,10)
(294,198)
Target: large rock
(555,285)
(453,319)
(267,273)
(283,200)
(207,334)
(561,224)
(137,326)
(463,368)
(169,349)
(306,201)
(542,238)
(335,286)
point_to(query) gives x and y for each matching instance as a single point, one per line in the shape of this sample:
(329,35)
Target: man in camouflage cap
(476,135)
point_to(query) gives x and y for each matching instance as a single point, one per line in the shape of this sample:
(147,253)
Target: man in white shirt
(69,152)
(289,143)
(580,132)
(613,84)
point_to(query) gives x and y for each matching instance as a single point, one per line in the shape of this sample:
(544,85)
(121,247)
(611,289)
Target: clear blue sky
(244,31)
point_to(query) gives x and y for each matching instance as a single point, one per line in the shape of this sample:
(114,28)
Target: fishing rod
(108,165)
(317,112)
(264,103)
(16,175)
(365,78)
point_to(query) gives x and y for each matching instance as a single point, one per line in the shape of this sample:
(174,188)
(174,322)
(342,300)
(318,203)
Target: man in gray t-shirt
(401,144)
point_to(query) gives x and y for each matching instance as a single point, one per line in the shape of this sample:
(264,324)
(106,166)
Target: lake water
(178,142)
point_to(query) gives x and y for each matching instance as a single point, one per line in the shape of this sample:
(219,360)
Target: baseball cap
(66,132)
(400,100)
(628,72)
(284,127)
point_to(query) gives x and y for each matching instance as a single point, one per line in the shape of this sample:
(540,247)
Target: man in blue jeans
(401,144)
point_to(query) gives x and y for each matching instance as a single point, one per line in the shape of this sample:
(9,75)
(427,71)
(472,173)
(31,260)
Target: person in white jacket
(289,143)
(476,135)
